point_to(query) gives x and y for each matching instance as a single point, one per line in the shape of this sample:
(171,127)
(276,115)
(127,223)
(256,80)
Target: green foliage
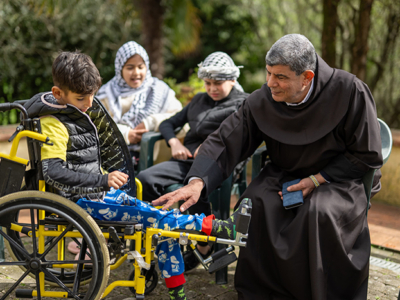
(182,27)
(185,91)
(33,32)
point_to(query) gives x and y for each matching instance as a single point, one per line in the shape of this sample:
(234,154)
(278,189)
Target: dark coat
(94,143)
(204,116)
(319,250)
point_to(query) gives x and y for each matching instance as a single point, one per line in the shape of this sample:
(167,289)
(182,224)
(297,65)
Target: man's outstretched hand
(190,194)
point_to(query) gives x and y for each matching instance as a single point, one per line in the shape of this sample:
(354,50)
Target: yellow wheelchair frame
(75,223)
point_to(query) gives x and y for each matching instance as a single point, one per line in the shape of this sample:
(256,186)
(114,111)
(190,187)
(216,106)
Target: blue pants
(118,206)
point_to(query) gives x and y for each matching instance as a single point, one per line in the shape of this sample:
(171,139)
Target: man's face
(285,85)
(218,89)
(134,71)
(81,102)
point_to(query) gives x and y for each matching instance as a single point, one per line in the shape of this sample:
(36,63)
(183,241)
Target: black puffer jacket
(204,116)
(80,175)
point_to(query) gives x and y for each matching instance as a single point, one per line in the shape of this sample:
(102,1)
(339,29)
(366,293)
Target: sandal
(73,247)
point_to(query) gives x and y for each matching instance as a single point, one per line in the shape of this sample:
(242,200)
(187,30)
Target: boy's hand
(179,151)
(117,179)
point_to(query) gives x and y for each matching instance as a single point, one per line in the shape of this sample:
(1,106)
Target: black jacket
(80,175)
(204,116)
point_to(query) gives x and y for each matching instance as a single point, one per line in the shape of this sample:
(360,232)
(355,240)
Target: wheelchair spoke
(33,227)
(15,285)
(39,295)
(16,245)
(79,269)
(14,263)
(48,241)
(73,262)
(62,285)
(54,242)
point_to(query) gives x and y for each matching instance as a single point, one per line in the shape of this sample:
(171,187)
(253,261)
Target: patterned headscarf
(219,66)
(150,97)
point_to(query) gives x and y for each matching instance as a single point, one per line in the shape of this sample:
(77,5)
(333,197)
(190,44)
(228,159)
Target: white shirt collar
(306,98)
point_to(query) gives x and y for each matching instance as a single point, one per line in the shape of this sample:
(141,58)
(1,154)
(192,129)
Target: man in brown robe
(316,121)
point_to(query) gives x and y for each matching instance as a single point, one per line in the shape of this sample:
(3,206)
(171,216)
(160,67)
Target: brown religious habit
(321,249)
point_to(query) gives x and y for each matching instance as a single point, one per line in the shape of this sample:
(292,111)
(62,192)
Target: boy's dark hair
(76,72)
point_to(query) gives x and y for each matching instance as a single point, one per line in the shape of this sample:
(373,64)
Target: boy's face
(134,71)
(218,89)
(81,102)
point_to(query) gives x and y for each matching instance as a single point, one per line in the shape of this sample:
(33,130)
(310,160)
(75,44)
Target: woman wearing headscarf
(204,114)
(137,101)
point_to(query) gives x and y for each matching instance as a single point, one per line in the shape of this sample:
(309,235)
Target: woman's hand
(306,185)
(117,179)
(179,151)
(135,135)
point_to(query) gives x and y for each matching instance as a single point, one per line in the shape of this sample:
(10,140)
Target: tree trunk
(151,14)
(393,28)
(360,46)
(328,39)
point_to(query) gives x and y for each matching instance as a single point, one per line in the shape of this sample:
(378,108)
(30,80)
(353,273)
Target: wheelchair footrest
(222,262)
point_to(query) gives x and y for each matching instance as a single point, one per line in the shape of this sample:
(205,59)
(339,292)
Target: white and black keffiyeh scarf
(150,97)
(219,66)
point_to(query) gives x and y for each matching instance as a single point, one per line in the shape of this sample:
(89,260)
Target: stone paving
(384,284)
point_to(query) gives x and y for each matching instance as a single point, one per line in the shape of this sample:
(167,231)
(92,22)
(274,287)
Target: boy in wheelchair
(73,166)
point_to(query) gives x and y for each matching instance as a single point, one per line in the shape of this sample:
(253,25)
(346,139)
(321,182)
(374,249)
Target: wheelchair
(37,225)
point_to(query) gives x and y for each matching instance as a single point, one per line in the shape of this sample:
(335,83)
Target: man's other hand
(190,194)
(306,185)
(117,179)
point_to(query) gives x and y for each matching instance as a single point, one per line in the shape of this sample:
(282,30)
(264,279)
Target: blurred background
(360,36)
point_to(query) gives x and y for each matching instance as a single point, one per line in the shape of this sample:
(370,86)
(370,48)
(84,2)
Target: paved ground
(384,284)
(384,225)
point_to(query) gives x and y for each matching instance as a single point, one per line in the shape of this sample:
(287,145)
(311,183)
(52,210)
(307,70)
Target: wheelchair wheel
(39,253)
(66,276)
(151,281)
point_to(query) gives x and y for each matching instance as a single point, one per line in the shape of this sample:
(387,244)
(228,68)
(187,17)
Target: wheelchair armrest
(22,102)
(257,161)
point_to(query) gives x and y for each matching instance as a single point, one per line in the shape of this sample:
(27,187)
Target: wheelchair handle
(8,106)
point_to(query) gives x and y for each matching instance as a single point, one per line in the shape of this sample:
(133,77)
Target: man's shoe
(191,260)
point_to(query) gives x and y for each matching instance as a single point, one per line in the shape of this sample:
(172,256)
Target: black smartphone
(291,199)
